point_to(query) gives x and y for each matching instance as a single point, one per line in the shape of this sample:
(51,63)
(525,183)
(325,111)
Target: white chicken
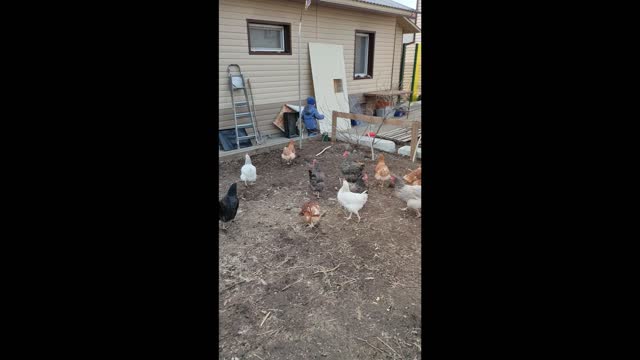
(248,171)
(351,201)
(411,194)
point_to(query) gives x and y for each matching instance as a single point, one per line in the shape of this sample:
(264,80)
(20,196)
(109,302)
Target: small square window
(337,85)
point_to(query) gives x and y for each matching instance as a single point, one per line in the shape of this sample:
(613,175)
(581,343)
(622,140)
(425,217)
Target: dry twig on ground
(326,271)
(392,349)
(371,345)
(234,285)
(290,285)
(325,149)
(265,318)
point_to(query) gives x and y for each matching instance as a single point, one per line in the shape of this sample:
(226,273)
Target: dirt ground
(342,290)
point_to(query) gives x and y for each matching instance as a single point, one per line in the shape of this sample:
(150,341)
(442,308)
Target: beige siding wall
(411,53)
(265,115)
(419,21)
(409,57)
(419,40)
(408,68)
(274,78)
(397,58)
(419,78)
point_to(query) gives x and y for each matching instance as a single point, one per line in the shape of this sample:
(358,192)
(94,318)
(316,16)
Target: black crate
(227,139)
(290,129)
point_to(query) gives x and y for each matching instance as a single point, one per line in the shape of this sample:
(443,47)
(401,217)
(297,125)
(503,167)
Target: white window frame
(270,27)
(365,54)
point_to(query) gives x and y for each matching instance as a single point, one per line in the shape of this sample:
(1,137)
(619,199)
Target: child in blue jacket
(309,115)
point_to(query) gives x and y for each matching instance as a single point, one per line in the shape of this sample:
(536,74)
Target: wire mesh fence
(362,135)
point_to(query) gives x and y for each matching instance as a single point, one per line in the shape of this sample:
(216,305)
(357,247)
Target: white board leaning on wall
(329,83)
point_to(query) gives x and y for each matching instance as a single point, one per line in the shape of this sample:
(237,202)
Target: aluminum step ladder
(237,86)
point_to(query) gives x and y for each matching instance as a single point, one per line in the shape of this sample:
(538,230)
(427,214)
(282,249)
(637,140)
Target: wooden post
(413,157)
(334,125)
(414,138)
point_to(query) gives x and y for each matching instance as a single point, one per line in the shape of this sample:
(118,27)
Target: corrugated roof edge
(387,3)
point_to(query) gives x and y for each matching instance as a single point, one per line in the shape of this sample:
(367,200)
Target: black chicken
(352,170)
(361,185)
(228,206)
(316,179)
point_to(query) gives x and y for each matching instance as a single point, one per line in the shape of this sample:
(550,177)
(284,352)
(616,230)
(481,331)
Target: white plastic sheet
(327,65)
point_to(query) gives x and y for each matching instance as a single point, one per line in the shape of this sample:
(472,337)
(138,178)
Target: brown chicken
(289,153)
(414,177)
(311,212)
(382,172)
